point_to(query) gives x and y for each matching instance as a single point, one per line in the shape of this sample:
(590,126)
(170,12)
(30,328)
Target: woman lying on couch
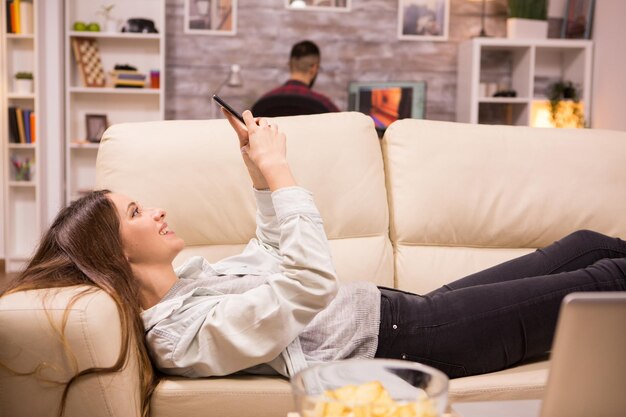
(277,308)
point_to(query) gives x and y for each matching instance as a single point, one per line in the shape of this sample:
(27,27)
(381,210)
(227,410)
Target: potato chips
(369,400)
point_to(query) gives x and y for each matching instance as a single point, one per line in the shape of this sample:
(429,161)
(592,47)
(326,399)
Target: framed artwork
(578,19)
(96,124)
(423,20)
(211,17)
(386,102)
(315,5)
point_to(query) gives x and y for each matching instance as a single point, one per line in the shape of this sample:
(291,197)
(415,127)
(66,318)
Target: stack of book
(128,79)
(21,125)
(19,15)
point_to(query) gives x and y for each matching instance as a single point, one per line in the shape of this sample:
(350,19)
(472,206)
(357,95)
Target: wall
(609,88)
(358,45)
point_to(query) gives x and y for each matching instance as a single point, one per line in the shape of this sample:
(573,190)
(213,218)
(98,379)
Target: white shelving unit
(21,198)
(526,66)
(145,51)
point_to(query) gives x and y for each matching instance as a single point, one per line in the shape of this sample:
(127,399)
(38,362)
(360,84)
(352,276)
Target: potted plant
(24,82)
(565,107)
(527,19)
(110,25)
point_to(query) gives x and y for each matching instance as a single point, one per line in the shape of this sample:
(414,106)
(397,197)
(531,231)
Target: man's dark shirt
(299,88)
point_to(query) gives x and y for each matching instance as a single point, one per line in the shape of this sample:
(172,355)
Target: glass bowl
(370,388)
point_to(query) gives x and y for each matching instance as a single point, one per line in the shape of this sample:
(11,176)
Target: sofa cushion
(193,169)
(271,397)
(464,197)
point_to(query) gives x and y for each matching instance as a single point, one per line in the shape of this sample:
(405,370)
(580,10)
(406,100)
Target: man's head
(304,62)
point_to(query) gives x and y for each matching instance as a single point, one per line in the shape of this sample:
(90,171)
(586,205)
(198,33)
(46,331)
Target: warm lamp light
(566,116)
(233,79)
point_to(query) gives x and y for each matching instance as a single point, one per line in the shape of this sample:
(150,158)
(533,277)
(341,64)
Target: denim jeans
(503,315)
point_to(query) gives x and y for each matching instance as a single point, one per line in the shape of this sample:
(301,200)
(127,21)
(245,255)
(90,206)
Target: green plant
(528,9)
(105,11)
(23,75)
(558,93)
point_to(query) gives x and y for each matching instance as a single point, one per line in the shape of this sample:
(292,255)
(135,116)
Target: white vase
(23,86)
(526,28)
(110,26)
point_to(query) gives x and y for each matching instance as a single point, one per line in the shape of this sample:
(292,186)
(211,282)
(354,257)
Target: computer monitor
(387,102)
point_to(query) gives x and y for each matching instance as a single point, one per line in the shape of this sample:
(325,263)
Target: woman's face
(146,237)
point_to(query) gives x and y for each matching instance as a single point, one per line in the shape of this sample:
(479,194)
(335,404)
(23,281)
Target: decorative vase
(517,28)
(23,86)
(110,26)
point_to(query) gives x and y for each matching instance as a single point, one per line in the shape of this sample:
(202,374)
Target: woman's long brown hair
(83,247)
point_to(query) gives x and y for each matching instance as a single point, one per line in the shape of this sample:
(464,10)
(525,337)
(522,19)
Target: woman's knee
(589,237)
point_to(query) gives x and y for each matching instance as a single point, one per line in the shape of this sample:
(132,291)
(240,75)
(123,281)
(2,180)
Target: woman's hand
(267,149)
(258,181)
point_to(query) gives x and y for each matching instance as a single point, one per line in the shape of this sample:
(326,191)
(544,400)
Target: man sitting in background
(295,97)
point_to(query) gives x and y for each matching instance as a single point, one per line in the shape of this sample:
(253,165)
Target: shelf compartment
(22,225)
(508,67)
(143,56)
(82,171)
(132,109)
(516,114)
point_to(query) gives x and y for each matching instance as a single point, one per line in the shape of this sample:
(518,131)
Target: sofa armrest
(30,339)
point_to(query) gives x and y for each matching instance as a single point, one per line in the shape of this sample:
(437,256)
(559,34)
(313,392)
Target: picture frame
(578,19)
(319,5)
(388,101)
(95,125)
(210,17)
(423,20)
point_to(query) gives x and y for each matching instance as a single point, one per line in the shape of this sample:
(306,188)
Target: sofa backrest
(465,197)
(193,169)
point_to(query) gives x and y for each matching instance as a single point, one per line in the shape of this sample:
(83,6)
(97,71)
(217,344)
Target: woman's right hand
(267,149)
(258,181)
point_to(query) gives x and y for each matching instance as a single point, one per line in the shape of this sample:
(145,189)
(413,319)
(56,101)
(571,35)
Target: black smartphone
(228,108)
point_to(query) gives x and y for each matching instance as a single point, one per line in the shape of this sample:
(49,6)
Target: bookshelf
(21,178)
(527,66)
(144,51)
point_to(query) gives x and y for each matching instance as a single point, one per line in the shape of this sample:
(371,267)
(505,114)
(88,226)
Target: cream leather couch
(439,201)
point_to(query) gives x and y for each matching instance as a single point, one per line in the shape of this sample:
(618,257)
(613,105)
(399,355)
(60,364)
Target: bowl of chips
(370,388)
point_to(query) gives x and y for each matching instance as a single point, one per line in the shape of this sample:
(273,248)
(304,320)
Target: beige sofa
(435,202)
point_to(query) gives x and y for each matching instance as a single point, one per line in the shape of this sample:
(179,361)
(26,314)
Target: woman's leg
(575,251)
(486,327)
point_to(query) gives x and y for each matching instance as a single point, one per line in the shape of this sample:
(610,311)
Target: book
(8,15)
(13,14)
(33,128)
(26,16)
(16,15)
(26,116)
(13,132)
(20,125)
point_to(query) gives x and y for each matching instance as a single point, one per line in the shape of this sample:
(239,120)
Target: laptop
(588,364)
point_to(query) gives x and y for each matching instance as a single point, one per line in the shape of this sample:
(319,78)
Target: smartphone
(228,108)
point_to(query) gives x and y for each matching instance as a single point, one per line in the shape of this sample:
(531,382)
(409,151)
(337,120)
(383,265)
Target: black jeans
(503,315)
